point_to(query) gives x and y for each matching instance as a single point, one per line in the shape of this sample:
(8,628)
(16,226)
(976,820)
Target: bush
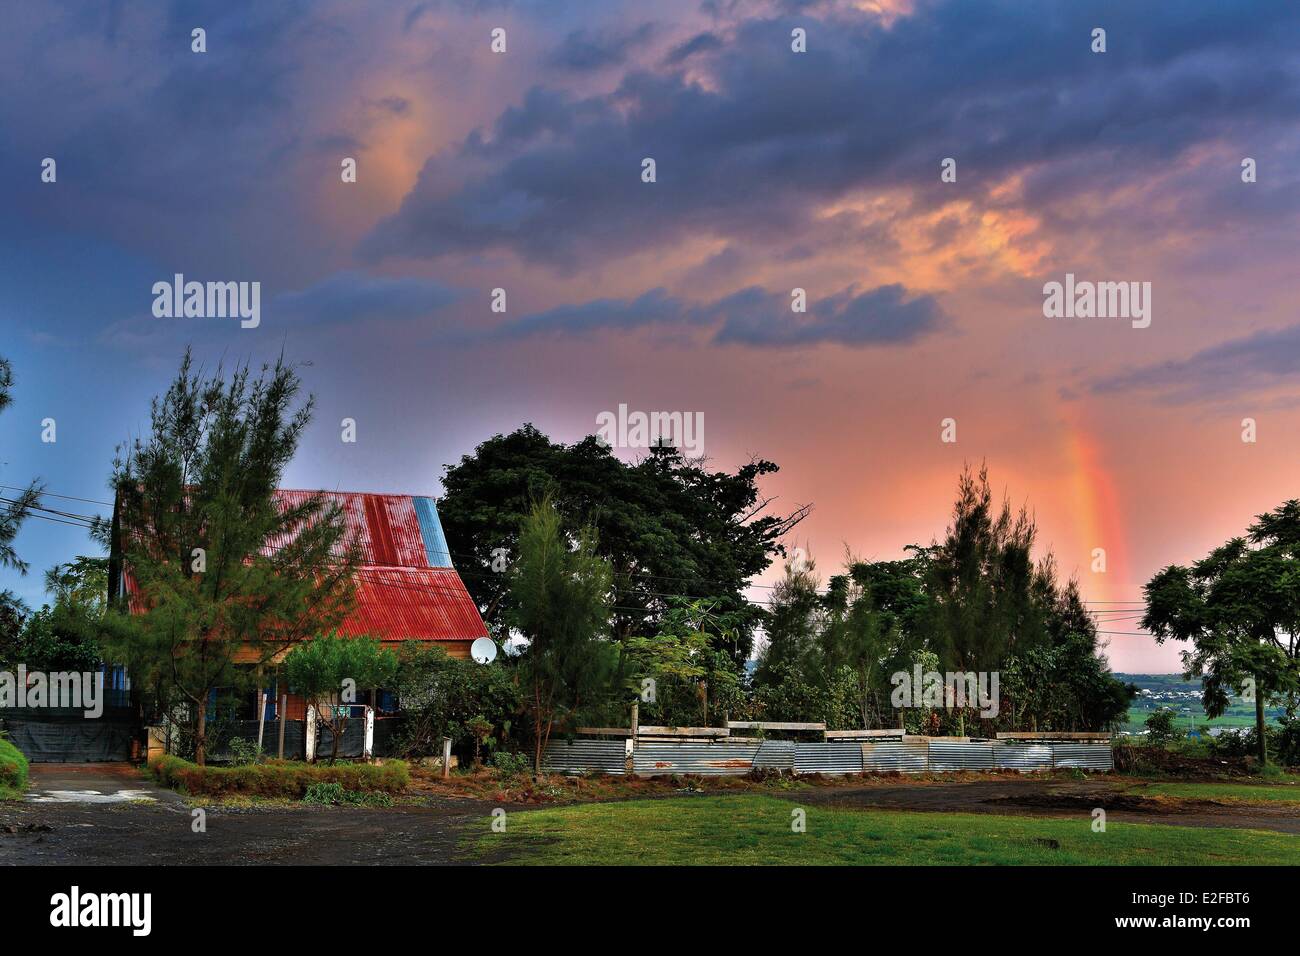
(1287,743)
(333,794)
(279,778)
(441,695)
(13,768)
(244,751)
(326,794)
(1234,743)
(1160,726)
(509,764)
(1283,743)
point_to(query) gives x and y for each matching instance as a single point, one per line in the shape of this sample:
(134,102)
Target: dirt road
(106,814)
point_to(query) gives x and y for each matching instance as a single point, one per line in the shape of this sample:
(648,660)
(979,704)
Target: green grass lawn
(753,830)
(1238,792)
(13,772)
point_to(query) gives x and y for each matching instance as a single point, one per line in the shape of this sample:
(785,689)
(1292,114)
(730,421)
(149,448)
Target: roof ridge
(373,494)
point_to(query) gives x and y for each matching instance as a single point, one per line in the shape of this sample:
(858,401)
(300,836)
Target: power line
(50,494)
(1140,603)
(1116,614)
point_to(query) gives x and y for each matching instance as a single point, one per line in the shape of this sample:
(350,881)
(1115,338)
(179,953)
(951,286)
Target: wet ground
(108,814)
(105,814)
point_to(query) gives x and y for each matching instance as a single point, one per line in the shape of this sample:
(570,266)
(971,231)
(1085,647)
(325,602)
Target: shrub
(1160,726)
(1283,743)
(1234,743)
(333,794)
(327,794)
(509,764)
(1288,743)
(13,768)
(440,696)
(279,778)
(243,751)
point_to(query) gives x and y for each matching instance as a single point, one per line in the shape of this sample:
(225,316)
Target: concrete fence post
(629,758)
(446,757)
(284,706)
(311,734)
(368,748)
(261,720)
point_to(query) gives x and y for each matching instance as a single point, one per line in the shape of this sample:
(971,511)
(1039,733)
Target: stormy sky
(774,171)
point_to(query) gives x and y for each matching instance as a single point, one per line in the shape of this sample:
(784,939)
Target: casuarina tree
(559,601)
(14,506)
(227,575)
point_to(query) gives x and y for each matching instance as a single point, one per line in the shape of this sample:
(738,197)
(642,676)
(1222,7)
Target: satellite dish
(483,650)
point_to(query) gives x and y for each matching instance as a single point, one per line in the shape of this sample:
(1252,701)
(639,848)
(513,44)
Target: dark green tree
(67,634)
(1160,725)
(15,506)
(668,526)
(13,612)
(439,695)
(1239,608)
(694,681)
(984,587)
(793,627)
(226,574)
(325,669)
(873,625)
(559,601)
(991,606)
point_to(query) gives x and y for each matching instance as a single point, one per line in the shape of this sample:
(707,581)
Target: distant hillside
(1184,697)
(1154,682)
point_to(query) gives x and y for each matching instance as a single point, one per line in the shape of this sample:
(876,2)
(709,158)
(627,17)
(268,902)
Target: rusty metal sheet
(1087,756)
(707,758)
(955,755)
(583,756)
(828,757)
(1022,756)
(896,756)
(775,755)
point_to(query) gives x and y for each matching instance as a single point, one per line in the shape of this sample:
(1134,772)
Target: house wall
(457,649)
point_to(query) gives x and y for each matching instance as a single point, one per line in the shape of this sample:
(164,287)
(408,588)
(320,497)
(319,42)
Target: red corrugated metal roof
(399,596)
(385,526)
(425,604)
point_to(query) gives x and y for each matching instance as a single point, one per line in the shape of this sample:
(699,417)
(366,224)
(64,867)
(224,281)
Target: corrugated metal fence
(739,757)
(577,756)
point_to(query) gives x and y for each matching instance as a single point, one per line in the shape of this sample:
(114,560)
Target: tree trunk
(537,731)
(200,732)
(337,733)
(1259,722)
